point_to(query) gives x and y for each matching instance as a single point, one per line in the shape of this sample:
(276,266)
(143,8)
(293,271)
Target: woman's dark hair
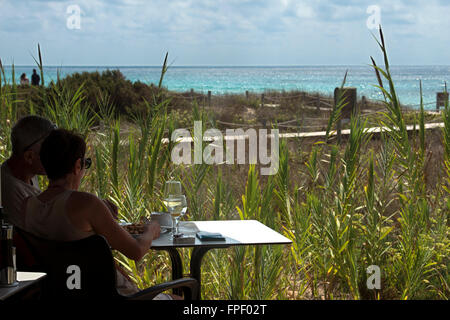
(59,152)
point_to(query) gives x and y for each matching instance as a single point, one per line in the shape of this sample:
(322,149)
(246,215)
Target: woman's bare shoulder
(84,195)
(84,199)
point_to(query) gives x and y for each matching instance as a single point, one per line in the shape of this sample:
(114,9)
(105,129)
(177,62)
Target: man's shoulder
(16,184)
(7,176)
(14,192)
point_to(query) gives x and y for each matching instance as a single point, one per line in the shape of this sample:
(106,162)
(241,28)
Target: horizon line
(225,66)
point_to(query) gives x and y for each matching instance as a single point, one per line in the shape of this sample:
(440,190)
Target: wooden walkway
(347,131)
(316,134)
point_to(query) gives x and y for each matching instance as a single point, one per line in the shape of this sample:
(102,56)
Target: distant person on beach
(18,173)
(24,80)
(35,79)
(62,213)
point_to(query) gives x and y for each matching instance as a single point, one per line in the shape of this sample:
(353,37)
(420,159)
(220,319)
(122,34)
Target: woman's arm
(103,223)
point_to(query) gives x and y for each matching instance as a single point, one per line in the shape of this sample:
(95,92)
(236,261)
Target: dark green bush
(126,97)
(122,92)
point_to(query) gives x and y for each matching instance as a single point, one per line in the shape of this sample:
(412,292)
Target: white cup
(163,218)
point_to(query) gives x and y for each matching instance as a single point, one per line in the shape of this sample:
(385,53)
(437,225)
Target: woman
(65,214)
(24,80)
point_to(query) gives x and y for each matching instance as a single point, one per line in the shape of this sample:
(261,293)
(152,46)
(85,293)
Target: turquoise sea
(238,79)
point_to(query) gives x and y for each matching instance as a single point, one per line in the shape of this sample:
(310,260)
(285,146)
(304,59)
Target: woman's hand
(154,228)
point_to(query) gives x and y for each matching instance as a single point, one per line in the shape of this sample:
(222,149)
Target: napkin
(210,236)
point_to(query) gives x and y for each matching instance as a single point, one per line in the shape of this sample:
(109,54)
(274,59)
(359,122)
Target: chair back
(25,260)
(82,269)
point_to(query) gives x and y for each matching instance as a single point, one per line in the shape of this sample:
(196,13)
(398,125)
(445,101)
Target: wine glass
(172,188)
(180,211)
(172,200)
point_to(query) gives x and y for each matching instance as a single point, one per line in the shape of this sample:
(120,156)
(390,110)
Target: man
(18,173)
(35,79)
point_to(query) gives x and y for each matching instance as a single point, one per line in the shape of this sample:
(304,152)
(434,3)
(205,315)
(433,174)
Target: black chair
(85,269)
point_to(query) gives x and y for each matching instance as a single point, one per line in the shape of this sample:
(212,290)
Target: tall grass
(414,262)
(8,111)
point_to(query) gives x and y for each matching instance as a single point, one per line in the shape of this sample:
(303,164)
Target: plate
(124,223)
(165,229)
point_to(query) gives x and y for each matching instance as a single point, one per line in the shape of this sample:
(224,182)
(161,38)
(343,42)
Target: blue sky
(223,32)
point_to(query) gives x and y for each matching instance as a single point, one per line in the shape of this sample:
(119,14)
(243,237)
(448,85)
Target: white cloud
(296,30)
(304,11)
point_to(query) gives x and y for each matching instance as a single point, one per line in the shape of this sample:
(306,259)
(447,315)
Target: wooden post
(246,94)
(209,99)
(441,97)
(262,100)
(363,103)
(347,96)
(318,103)
(193,98)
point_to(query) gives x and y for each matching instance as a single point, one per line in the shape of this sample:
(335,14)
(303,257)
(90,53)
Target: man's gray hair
(28,131)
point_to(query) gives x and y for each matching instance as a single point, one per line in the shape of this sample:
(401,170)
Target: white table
(236,233)
(25,279)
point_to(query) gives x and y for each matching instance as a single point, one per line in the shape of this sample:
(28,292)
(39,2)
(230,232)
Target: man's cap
(28,131)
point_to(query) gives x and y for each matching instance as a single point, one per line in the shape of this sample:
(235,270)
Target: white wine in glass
(173,204)
(180,210)
(172,200)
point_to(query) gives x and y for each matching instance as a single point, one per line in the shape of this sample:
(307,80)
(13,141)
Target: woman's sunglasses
(87,163)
